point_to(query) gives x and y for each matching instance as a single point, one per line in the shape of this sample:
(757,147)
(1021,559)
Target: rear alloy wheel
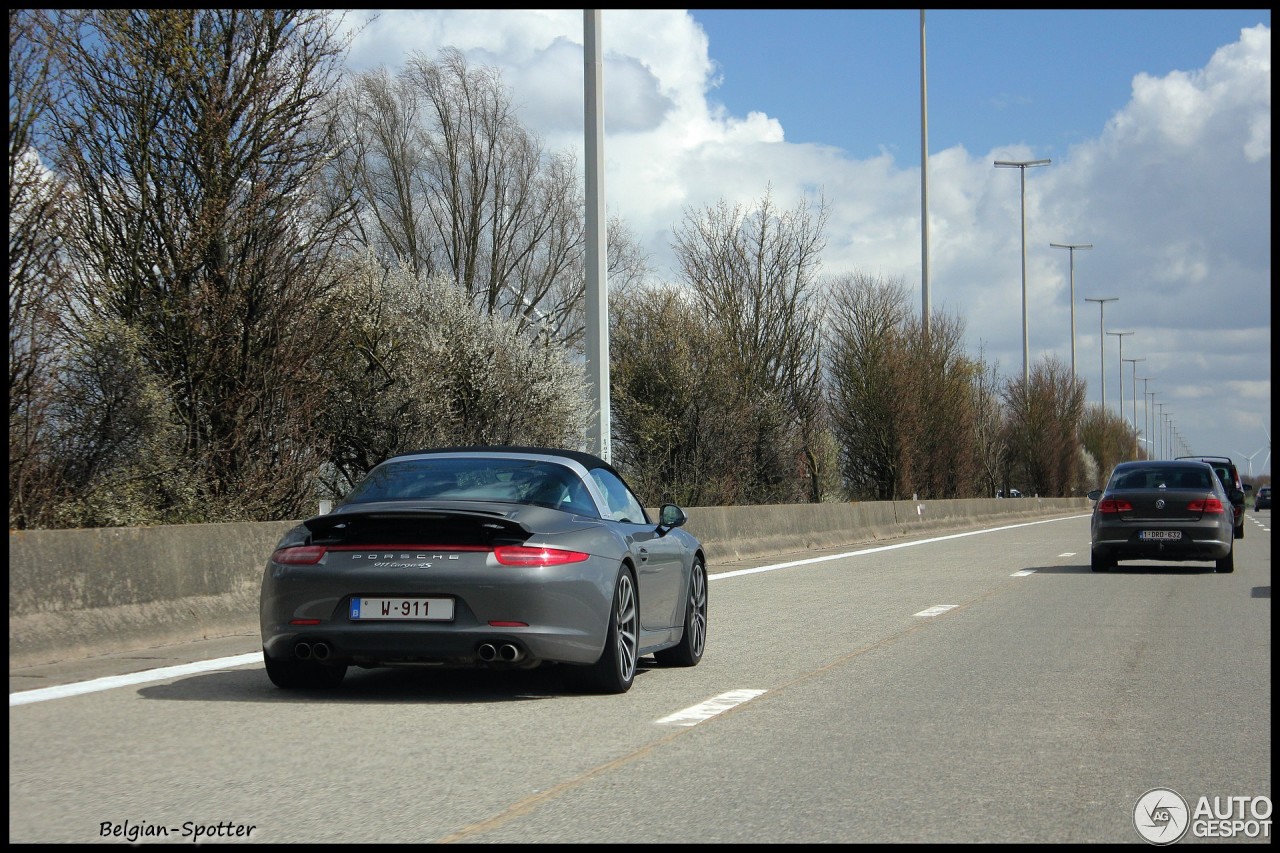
(616,669)
(301,674)
(1227,564)
(689,650)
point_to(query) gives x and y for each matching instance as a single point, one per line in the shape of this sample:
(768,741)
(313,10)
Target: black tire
(1099,563)
(1240,532)
(694,641)
(301,674)
(615,671)
(1227,564)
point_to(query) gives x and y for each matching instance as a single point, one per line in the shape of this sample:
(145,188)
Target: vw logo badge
(1160,504)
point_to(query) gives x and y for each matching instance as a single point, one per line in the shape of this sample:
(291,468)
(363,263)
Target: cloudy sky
(1157,125)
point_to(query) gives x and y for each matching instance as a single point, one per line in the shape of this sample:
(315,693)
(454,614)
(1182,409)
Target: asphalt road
(984,687)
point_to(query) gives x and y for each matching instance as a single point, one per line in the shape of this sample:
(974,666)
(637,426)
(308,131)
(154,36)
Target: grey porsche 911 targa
(485,557)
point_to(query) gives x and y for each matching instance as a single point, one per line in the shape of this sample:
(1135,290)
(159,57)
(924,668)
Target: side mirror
(671,516)
(1094,495)
(1247,486)
(1236,496)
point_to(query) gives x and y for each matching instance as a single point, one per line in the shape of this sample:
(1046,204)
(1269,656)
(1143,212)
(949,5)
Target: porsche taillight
(524,555)
(299,555)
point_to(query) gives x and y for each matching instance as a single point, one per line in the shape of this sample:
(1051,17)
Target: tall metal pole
(597,331)
(1145,409)
(1102,341)
(1121,336)
(1160,427)
(924,189)
(1134,423)
(1152,397)
(1021,166)
(1134,375)
(1072,247)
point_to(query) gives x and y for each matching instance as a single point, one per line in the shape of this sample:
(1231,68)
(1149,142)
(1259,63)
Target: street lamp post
(1145,406)
(1134,362)
(1159,425)
(1072,247)
(1121,336)
(1134,374)
(1021,166)
(1102,342)
(1151,397)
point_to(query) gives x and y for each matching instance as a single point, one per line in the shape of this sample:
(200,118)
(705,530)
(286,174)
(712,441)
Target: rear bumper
(444,646)
(1128,547)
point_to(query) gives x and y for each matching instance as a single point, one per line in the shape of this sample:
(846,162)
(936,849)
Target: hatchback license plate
(1160,535)
(419,609)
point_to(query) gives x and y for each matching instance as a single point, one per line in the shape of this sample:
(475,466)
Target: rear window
(470,479)
(1162,478)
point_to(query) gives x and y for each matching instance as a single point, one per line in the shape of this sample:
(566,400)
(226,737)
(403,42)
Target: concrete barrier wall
(80,593)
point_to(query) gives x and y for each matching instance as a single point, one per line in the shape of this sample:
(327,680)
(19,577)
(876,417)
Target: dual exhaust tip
(319,651)
(502,652)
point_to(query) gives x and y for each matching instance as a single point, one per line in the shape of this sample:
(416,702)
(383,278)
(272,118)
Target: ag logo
(1161,816)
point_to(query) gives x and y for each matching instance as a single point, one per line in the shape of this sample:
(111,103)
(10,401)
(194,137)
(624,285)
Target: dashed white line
(710,708)
(936,610)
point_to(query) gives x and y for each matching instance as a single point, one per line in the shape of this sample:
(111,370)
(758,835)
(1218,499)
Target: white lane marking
(936,610)
(1067,554)
(877,550)
(62,691)
(706,710)
(1023,573)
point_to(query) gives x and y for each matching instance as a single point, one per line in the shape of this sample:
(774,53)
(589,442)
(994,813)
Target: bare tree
(682,420)
(866,343)
(1043,423)
(36,277)
(195,142)
(937,379)
(449,180)
(989,428)
(1107,439)
(754,272)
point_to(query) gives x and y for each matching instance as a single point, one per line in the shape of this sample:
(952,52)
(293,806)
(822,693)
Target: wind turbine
(1249,459)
